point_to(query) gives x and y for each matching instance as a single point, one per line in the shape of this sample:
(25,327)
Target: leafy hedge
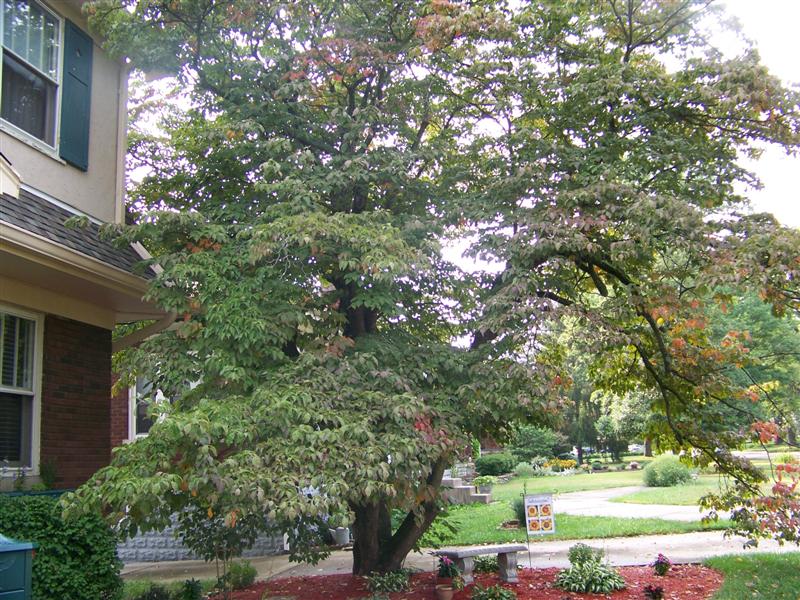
(76,559)
(666,471)
(494,464)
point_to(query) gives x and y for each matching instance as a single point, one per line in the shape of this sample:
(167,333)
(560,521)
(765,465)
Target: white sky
(774,26)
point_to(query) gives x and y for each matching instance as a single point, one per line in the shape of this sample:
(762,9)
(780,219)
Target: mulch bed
(683,582)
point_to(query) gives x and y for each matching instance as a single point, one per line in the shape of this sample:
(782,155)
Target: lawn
(566,483)
(688,494)
(479,524)
(762,576)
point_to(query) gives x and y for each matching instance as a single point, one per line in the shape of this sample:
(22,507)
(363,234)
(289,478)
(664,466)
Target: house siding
(76,388)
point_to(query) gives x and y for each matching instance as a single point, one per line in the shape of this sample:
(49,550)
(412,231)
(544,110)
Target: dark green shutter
(76,92)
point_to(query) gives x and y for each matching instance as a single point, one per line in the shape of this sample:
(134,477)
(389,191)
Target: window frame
(36,394)
(10,128)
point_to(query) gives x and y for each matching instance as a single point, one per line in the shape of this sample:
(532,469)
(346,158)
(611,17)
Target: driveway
(596,503)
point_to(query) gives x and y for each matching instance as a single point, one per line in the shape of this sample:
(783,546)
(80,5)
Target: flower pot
(444,591)
(341,536)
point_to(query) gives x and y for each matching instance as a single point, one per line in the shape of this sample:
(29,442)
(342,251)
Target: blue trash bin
(15,569)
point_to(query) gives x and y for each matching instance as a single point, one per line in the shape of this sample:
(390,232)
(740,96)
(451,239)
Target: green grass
(479,524)
(687,494)
(137,587)
(567,483)
(761,576)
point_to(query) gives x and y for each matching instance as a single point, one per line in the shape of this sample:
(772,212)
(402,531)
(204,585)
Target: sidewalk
(680,548)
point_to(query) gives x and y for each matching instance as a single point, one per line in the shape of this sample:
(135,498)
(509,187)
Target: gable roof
(46,219)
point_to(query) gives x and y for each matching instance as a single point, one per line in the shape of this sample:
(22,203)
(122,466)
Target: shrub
(76,558)
(485,564)
(587,573)
(530,441)
(560,464)
(191,589)
(484,480)
(396,581)
(598,466)
(666,471)
(241,574)
(538,462)
(580,554)
(495,592)
(156,592)
(523,469)
(518,505)
(788,459)
(494,464)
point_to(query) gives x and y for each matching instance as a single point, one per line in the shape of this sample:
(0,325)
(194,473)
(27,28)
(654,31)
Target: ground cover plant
(588,573)
(297,210)
(762,576)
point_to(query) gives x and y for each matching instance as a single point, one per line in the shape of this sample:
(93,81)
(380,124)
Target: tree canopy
(299,208)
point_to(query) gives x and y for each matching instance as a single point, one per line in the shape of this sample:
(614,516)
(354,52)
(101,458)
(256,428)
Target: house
(62,289)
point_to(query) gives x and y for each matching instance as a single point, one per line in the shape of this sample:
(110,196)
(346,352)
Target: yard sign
(539,517)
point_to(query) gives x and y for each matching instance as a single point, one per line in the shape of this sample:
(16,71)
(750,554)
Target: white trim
(10,179)
(36,411)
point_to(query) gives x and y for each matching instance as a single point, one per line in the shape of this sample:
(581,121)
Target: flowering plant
(447,568)
(661,565)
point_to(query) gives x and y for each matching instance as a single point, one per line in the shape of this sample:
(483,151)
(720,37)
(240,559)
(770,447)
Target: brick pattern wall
(76,388)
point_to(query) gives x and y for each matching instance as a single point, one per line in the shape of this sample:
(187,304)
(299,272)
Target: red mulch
(683,582)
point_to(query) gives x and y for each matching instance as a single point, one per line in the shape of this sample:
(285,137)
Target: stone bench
(464,558)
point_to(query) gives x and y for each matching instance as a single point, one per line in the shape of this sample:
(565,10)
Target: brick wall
(76,389)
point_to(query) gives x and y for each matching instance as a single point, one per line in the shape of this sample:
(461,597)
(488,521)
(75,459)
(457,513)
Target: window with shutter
(31,37)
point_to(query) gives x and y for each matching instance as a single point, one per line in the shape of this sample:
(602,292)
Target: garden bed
(683,582)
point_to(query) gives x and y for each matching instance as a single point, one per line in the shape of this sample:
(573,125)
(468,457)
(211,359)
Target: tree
(297,212)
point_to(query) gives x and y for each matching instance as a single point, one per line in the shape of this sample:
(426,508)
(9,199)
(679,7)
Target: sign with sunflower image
(539,516)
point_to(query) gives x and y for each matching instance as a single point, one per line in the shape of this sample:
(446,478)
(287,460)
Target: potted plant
(484,483)
(448,579)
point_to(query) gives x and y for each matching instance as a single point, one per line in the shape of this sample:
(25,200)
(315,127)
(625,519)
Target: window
(18,340)
(31,53)
(141,397)
(46,63)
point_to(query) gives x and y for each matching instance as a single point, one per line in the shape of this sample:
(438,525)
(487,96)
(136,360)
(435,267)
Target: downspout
(140,335)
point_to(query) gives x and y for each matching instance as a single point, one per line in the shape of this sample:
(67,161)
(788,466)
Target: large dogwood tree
(298,209)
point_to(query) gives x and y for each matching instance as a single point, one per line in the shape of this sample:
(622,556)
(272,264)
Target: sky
(773,26)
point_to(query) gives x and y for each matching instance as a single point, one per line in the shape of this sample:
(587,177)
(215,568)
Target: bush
(587,573)
(396,581)
(494,464)
(560,464)
(156,592)
(530,441)
(518,505)
(523,469)
(580,554)
(191,589)
(76,559)
(485,564)
(666,471)
(538,462)
(241,574)
(495,592)
(484,480)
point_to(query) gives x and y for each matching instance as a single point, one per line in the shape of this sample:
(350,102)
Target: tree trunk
(648,447)
(580,453)
(375,549)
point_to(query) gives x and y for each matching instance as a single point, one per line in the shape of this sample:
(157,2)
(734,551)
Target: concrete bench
(464,559)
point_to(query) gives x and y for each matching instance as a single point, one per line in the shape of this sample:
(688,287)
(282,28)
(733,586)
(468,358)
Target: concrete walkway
(596,503)
(680,548)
